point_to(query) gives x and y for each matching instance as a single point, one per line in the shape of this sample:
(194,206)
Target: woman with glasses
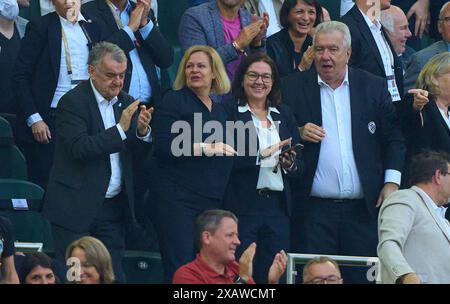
(291,48)
(428,119)
(188,140)
(258,191)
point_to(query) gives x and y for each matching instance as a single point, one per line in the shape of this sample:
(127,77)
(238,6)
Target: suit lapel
(313,98)
(433,213)
(54,42)
(97,120)
(438,115)
(356,106)
(106,14)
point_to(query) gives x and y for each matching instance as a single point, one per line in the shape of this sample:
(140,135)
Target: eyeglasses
(253,76)
(332,279)
(446,20)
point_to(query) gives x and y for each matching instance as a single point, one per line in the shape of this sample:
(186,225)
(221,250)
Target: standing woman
(258,191)
(291,47)
(192,171)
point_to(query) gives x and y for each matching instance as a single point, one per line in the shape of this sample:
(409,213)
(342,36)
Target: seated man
(414,235)
(217,236)
(322,270)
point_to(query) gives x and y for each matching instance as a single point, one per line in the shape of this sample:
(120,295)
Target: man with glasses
(421,58)
(414,235)
(322,270)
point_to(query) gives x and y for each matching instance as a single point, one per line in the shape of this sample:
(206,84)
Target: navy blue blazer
(375,152)
(241,196)
(37,68)
(365,54)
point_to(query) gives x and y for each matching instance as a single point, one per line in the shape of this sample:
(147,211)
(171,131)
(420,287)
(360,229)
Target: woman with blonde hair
(428,119)
(193,160)
(94,260)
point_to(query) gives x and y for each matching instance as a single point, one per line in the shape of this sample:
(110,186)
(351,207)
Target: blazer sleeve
(72,129)
(193,32)
(395,222)
(32,46)
(160,50)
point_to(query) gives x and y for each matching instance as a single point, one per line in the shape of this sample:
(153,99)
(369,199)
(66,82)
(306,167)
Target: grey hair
(101,49)
(319,260)
(441,12)
(387,20)
(331,26)
(210,221)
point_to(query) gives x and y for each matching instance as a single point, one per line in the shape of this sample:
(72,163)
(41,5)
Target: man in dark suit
(46,68)
(354,150)
(371,48)
(90,190)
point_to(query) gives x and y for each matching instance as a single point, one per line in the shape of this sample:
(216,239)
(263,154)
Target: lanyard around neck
(66,51)
(116,16)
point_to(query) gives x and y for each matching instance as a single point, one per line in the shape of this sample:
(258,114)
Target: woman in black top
(291,47)
(188,135)
(7,267)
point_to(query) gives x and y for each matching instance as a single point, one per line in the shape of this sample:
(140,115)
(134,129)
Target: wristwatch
(239,280)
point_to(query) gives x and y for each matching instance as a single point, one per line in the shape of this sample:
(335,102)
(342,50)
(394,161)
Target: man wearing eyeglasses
(419,59)
(322,270)
(414,235)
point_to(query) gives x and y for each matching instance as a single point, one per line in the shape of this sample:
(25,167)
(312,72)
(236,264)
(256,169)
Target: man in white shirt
(354,150)
(52,60)
(414,235)
(91,189)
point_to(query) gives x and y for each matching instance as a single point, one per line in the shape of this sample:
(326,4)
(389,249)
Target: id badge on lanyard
(392,87)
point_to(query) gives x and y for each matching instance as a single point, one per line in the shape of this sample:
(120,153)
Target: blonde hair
(438,66)
(221,83)
(97,255)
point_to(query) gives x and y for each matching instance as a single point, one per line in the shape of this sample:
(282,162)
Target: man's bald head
(396,23)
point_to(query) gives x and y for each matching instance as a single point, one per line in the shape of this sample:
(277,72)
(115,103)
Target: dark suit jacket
(365,54)
(153,51)
(370,102)
(37,68)
(241,196)
(82,169)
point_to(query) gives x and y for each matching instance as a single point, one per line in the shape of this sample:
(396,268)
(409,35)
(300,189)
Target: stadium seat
(13,163)
(333,7)
(6,133)
(168,75)
(169,15)
(142,267)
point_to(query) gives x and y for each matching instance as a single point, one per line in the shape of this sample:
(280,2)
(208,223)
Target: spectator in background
(435,8)
(225,26)
(259,189)
(37,268)
(216,237)
(7,267)
(354,150)
(9,48)
(52,60)
(418,16)
(419,59)
(192,172)
(414,244)
(291,48)
(322,270)
(372,49)
(396,25)
(94,260)
(192,3)
(272,8)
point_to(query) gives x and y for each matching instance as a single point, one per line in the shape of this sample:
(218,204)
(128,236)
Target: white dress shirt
(346,5)
(274,25)
(386,55)
(267,137)
(336,175)
(78,52)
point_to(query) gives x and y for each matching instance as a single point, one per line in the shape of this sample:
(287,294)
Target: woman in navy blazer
(193,170)
(258,191)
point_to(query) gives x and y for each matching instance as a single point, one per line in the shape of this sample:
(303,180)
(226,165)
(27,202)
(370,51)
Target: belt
(337,200)
(266,192)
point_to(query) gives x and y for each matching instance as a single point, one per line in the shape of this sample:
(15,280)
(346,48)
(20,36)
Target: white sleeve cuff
(392,176)
(121,132)
(34,118)
(145,31)
(147,137)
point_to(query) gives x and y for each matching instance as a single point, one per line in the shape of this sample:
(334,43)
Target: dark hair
(424,165)
(274,97)
(288,5)
(33,260)
(210,221)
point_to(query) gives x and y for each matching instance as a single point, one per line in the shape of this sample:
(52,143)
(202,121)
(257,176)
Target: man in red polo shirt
(217,238)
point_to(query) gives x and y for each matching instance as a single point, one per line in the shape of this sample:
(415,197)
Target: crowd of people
(298,126)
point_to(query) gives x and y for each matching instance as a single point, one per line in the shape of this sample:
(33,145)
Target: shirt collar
(127,9)
(369,21)
(211,272)
(245,108)
(66,22)
(323,83)
(440,210)
(99,98)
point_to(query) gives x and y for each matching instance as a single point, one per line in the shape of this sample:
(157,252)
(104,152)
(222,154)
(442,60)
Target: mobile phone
(295,147)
